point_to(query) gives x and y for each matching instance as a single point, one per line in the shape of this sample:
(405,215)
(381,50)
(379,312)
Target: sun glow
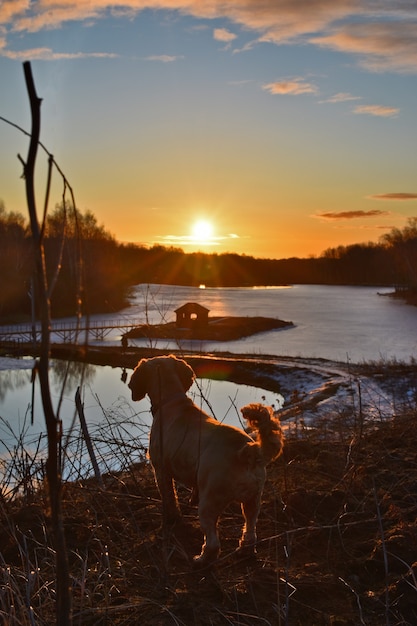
(202,231)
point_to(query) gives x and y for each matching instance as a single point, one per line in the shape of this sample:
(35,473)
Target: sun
(202,231)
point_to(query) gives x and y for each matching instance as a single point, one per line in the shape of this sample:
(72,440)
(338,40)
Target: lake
(330,322)
(118,427)
(337,323)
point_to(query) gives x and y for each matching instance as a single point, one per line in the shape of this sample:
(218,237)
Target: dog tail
(268,430)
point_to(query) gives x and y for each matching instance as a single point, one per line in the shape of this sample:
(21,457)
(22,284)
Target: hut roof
(193,307)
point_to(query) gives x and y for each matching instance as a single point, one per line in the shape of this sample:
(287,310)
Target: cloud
(10,8)
(294,87)
(380,33)
(238,83)
(383,46)
(378,110)
(350,215)
(50,14)
(394,196)
(222,34)
(46,54)
(340,97)
(163,58)
(185,240)
(274,20)
(189,240)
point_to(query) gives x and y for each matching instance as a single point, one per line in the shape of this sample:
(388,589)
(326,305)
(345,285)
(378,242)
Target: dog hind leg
(170,509)
(250,510)
(211,546)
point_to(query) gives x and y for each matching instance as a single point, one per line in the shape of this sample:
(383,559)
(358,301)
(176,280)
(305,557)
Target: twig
(358,601)
(384,552)
(81,415)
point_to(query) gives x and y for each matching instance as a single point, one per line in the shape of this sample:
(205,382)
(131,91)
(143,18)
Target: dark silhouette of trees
(359,264)
(98,270)
(89,261)
(16,263)
(402,246)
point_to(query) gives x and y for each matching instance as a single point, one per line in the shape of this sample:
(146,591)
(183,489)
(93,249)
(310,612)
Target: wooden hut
(192,315)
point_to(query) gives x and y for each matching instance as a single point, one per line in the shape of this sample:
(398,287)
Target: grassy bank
(337,537)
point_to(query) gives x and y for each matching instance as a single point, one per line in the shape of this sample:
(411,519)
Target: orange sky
(290,127)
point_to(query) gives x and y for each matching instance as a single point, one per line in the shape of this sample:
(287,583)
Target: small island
(193,323)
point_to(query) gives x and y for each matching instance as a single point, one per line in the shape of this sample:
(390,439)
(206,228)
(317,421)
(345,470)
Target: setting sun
(202,231)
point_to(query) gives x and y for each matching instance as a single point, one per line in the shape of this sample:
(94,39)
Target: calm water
(337,323)
(107,405)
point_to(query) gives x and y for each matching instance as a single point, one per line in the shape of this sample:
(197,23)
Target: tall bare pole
(53,424)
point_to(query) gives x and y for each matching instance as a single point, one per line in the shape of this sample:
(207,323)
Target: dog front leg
(170,509)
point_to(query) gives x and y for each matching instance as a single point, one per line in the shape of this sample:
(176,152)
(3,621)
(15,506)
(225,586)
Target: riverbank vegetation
(337,534)
(98,271)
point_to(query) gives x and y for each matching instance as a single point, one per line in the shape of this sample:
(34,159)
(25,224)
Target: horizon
(198,249)
(267,130)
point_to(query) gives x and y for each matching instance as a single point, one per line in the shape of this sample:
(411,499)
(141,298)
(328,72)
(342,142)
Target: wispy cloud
(184,240)
(40,15)
(340,97)
(378,110)
(394,196)
(350,215)
(189,240)
(291,87)
(381,46)
(222,34)
(46,54)
(163,58)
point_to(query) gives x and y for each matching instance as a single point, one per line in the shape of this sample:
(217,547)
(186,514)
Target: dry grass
(337,531)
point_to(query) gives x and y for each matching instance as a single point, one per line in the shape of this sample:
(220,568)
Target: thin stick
(384,552)
(87,438)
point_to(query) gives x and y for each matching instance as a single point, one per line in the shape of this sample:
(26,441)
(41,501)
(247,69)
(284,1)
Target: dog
(220,463)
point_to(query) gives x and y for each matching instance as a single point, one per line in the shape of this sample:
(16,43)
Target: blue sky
(287,127)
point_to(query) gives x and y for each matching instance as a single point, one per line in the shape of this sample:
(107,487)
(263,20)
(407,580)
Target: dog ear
(138,381)
(186,374)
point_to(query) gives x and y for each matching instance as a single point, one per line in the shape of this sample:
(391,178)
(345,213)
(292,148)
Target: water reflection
(71,374)
(118,427)
(13,380)
(157,303)
(65,377)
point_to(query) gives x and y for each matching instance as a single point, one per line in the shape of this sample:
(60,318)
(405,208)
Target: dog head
(158,375)
(138,381)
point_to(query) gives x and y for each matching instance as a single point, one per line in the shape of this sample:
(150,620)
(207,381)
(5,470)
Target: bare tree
(53,424)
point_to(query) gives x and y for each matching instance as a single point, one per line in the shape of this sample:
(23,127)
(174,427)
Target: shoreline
(311,387)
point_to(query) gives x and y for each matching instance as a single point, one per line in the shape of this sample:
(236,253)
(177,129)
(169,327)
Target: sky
(272,128)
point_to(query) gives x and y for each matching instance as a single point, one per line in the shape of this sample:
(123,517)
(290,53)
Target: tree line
(92,272)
